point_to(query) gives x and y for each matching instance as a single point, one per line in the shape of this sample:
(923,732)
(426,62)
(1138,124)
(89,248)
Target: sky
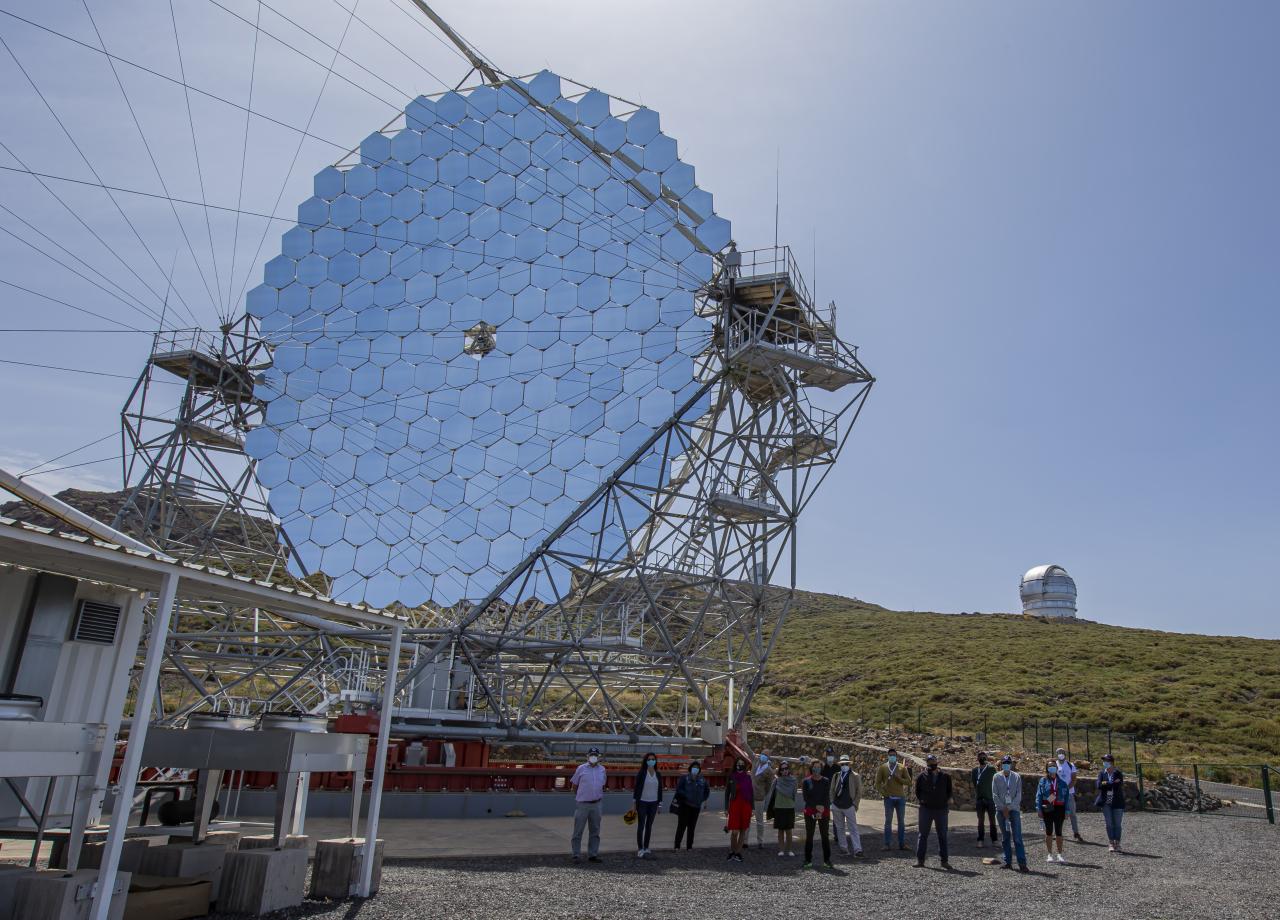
(1051,228)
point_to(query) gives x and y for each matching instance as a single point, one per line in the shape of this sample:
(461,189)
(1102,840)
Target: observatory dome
(1048,591)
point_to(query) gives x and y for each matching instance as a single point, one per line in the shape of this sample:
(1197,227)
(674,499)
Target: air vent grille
(97,622)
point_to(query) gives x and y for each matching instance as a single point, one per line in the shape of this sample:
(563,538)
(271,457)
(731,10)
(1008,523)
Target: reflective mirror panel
(473,328)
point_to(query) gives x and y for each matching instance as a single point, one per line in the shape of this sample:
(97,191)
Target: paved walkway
(432,838)
(467,837)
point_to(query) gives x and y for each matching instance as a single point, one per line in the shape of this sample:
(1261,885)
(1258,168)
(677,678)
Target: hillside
(1185,696)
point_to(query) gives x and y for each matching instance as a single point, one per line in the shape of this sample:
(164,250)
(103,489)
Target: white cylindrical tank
(1048,591)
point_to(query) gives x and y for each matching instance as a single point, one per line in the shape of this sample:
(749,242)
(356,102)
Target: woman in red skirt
(741,795)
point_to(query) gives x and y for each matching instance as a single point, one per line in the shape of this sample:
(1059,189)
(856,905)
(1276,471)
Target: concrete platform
(431,838)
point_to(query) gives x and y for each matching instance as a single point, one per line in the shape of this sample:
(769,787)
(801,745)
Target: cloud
(95,477)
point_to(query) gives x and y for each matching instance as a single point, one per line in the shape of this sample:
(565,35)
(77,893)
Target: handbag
(630,817)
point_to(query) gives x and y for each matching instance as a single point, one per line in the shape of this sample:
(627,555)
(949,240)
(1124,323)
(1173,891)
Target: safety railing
(775,262)
(171,341)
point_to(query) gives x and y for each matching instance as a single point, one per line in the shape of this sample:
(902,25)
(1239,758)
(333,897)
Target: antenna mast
(487,70)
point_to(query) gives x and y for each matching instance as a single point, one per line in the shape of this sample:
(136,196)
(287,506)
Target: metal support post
(1266,792)
(380,762)
(147,685)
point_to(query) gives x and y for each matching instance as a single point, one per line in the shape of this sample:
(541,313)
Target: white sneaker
(791,853)
(1061,858)
(1049,858)
(639,854)
(782,853)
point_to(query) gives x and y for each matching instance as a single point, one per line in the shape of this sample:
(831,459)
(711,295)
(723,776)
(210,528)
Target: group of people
(827,788)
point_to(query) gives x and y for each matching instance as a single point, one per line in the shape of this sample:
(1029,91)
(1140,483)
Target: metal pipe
(76,518)
(380,763)
(500,733)
(147,685)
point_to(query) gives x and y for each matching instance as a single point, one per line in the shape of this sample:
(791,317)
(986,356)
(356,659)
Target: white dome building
(1048,591)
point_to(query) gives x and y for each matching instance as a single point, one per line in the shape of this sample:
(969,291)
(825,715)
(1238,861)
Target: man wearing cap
(846,793)
(1006,793)
(588,786)
(933,795)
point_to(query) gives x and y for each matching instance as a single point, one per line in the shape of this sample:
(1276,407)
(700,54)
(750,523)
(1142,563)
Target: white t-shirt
(649,793)
(1066,771)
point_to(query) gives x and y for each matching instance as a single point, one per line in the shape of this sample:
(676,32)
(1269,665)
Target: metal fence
(1228,790)
(1081,740)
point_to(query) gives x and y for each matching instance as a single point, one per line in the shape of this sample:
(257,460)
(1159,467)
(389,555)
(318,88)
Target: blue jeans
(892,804)
(935,817)
(1114,818)
(1011,826)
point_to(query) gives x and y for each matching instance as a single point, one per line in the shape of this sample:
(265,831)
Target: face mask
(650,762)
(695,770)
(1062,758)
(831,760)
(844,768)
(1053,771)
(593,760)
(1006,767)
(982,761)
(932,767)
(815,769)
(740,766)
(764,758)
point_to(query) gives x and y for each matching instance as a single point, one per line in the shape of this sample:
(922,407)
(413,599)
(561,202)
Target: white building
(1048,591)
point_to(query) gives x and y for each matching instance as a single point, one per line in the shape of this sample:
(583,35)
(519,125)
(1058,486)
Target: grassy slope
(1184,695)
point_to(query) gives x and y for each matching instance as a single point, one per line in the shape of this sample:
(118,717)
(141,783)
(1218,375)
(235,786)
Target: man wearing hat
(588,786)
(1006,793)
(933,795)
(846,793)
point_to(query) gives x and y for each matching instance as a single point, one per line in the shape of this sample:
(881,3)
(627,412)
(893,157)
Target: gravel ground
(1177,866)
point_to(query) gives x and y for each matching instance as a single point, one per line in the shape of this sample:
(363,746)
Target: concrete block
(187,860)
(58,837)
(258,881)
(228,839)
(267,842)
(9,877)
(59,895)
(338,864)
(131,852)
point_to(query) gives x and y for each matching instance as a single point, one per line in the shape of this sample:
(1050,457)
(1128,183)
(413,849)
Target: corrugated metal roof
(80,556)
